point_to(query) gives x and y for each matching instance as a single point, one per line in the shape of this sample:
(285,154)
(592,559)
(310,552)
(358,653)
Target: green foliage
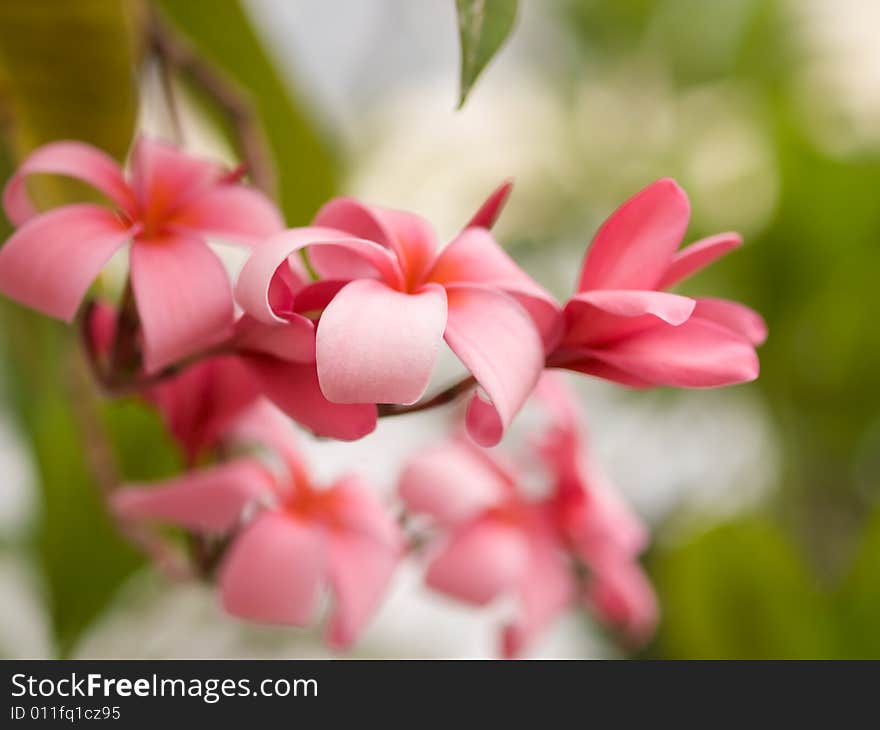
(742,591)
(66,71)
(858,602)
(68,74)
(221,31)
(483,27)
(739,591)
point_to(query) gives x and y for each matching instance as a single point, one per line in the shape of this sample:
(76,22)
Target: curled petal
(293,387)
(252,290)
(697,256)
(736,317)
(273,571)
(474,257)
(209,500)
(633,248)
(410,237)
(497,341)
(231,211)
(452,482)
(378,345)
(72,159)
(482,560)
(183,298)
(293,341)
(696,354)
(49,263)
(489,211)
(602,315)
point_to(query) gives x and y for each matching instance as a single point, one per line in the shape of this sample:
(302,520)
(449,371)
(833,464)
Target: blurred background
(764,499)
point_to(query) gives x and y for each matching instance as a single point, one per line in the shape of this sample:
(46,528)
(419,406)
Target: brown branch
(442,398)
(176,54)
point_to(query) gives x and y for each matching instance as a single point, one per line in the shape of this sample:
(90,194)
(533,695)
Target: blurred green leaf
(305,169)
(859,598)
(483,26)
(67,72)
(740,591)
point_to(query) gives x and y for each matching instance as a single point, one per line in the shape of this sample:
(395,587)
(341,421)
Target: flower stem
(442,398)
(174,53)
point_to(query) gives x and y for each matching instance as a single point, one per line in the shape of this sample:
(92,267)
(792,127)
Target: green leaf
(67,72)
(305,169)
(740,591)
(483,26)
(859,598)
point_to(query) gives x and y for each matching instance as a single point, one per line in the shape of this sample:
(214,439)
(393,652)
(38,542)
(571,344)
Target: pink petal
(560,400)
(546,590)
(736,317)
(589,511)
(633,248)
(378,345)
(474,257)
(360,571)
(697,354)
(49,263)
(252,290)
(293,341)
(481,560)
(314,297)
(697,256)
(209,500)
(603,315)
(73,159)
(489,211)
(273,571)
(102,328)
(358,510)
(231,211)
(165,179)
(293,387)
(199,404)
(452,482)
(587,364)
(263,424)
(497,341)
(183,298)
(621,596)
(408,235)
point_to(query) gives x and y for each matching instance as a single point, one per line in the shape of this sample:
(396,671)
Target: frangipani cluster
(339,324)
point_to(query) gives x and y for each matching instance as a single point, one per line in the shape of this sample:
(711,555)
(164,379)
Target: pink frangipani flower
(387,298)
(165,207)
(621,325)
(289,538)
(199,403)
(502,542)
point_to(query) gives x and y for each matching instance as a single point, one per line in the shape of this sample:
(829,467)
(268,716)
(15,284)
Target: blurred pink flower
(200,402)
(622,326)
(386,298)
(165,207)
(502,542)
(289,538)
